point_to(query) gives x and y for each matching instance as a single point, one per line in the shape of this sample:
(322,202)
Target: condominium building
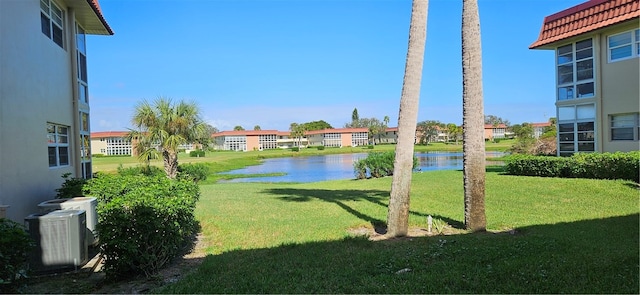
(597,50)
(44,109)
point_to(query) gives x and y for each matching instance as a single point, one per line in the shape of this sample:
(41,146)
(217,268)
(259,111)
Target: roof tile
(585,17)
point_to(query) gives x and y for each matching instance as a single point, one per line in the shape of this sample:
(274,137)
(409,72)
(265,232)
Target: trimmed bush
(71,187)
(15,246)
(197,153)
(376,165)
(144,221)
(147,170)
(295,149)
(581,165)
(320,147)
(194,172)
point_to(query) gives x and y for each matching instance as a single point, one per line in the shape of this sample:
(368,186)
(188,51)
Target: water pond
(334,167)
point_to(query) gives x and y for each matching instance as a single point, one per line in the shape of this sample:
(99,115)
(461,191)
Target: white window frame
(53,16)
(58,147)
(572,59)
(634,43)
(632,123)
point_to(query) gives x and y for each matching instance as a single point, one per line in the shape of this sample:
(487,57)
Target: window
(576,129)
(58,145)
(81,53)
(624,45)
(51,21)
(85,145)
(625,127)
(575,70)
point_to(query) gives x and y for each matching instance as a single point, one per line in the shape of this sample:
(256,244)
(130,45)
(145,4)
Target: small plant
(15,246)
(295,149)
(71,187)
(370,147)
(439,225)
(320,147)
(147,170)
(197,153)
(194,172)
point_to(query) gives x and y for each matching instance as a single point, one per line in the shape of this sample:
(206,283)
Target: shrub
(15,246)
(147,170)
(581,165)
(144,221)
(197,153)
(370,146)
(71,187)
(320,147)
(194,172)
(376,165)
(295,149)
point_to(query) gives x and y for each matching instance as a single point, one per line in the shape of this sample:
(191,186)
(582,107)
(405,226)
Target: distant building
(498,131)
(538,128)
(597,49)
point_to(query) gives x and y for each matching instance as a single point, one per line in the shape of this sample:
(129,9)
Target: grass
(547,235)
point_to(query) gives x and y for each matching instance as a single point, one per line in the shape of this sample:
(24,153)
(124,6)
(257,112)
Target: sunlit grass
(567,236)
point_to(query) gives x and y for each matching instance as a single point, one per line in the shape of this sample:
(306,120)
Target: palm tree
(473,119)
(162,127)
(398,215)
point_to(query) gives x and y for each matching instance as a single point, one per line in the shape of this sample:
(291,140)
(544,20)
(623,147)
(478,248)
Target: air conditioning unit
(88,204)
(60,240)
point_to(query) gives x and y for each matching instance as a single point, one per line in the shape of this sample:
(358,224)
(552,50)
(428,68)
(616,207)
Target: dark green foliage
(582,165)
(147,170)
(144,221)
(376,165)
(320,147)
(196,153)
(194,172)
(370,146)
(15,246)
(295,149)
(71,187)
(316,125)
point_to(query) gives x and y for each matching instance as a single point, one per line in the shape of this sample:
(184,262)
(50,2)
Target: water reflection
(333,167)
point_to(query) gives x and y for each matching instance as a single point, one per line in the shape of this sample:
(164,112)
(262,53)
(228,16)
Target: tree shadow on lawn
(338,197)
(587,256)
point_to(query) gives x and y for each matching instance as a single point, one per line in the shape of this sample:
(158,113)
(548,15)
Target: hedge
(616,165)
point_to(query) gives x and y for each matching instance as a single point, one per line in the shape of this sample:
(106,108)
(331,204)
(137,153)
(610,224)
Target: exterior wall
(316,139)
(619,91)
(345,139)
(35,89)
(253,144)
(98,146)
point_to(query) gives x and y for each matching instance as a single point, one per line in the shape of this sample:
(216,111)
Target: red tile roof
(96,8)
(246,133)
(105,134)
(585,17)
(545,124)
(337,130)
(491,126)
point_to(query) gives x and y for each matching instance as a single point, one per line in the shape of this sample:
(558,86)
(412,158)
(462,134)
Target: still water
(333,167)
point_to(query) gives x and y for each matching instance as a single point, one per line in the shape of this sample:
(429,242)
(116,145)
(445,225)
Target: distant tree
(162,126)
(206,141)
(354,116)
(453,132)
(238,128)
(428,131)
(398,209)
(316,125)
(386,120)
(297,132)
(495,120)
(211,129)
(525,140)
(257,127)
(376,129)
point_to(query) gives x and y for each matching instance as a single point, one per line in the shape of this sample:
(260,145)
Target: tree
(297,132)
(453,131)
(209,130)
(354,117)
(238,128)
(162,126)
(473,121)
(428,131)
(316,125)
(495,120)
(398,214)
(257,127)
(524,139)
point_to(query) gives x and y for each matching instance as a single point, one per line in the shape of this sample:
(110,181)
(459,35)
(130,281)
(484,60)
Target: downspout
(75,109)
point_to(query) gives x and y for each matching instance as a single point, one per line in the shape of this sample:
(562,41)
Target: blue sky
(274,62)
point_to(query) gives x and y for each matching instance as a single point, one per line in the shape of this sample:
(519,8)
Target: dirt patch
(379,234)
(91,280)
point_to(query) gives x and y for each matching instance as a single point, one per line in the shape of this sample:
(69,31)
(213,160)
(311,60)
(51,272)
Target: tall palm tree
(398,215)
(162,127)
(473,119)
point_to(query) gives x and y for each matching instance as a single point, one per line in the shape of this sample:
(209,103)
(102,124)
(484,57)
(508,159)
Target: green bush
(295,149)
(320,147)
(71,187)
(15,246)
(197,153)
(370,146)
(147,170)
(194,172)
(581,165)
(144,221)
(376,165)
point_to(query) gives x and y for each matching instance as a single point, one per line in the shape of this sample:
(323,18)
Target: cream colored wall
(619,91)
(35,88)
(97,146)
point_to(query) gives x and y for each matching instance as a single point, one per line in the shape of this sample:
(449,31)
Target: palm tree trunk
(170,164)
(398,215)
(473,119)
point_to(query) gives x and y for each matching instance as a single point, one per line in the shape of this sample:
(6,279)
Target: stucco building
(597,49)
(44,101)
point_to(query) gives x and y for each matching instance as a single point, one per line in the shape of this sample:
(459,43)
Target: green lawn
(547,235)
